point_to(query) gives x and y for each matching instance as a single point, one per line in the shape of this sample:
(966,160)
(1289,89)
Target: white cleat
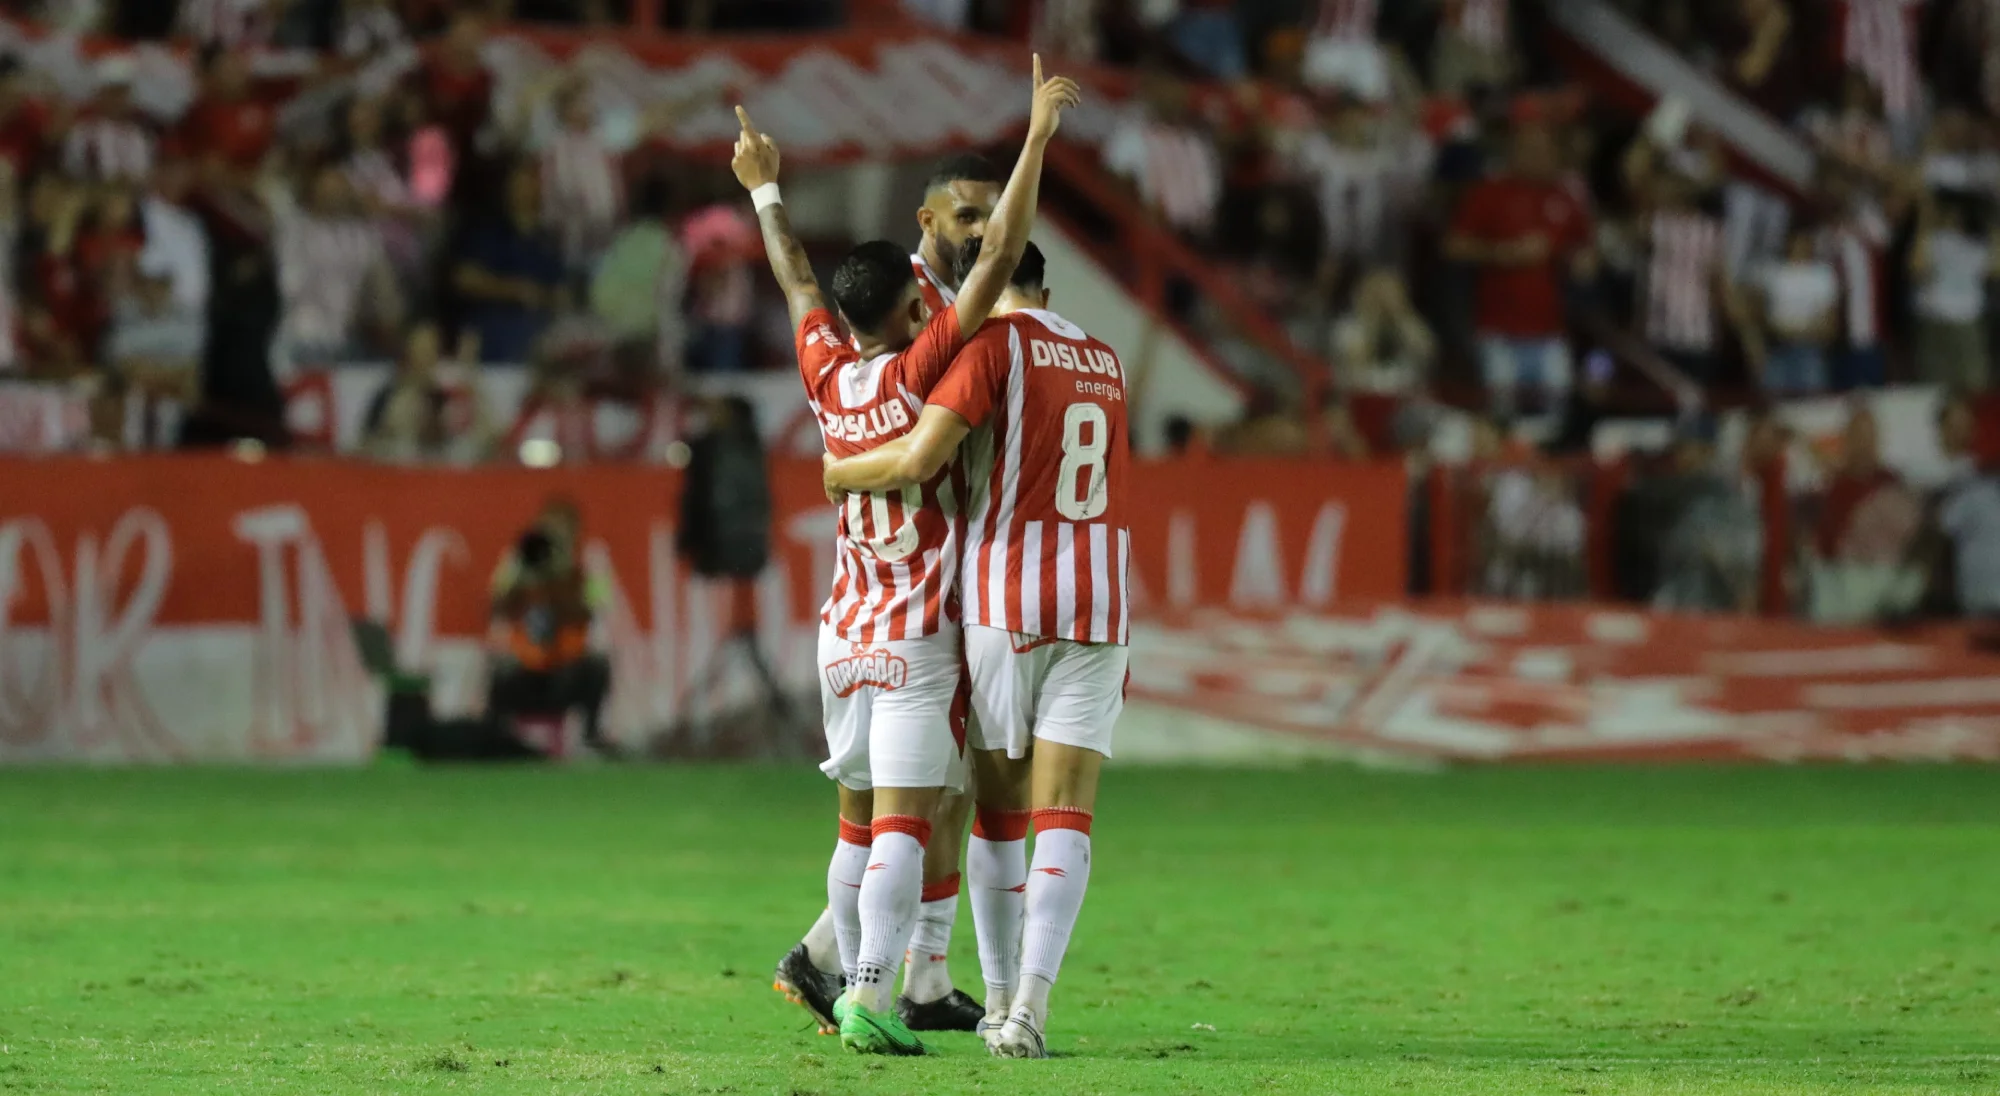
(990,1025)
(1020,1037)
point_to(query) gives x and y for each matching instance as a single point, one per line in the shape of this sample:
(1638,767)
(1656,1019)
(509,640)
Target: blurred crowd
(1438,215)
(178,268)
(356,26)
(1432,206)
(1762,518)
(1414,196)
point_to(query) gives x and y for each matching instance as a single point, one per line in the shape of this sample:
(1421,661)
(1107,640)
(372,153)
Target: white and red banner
(829,97)
(1490,682)
(176,608)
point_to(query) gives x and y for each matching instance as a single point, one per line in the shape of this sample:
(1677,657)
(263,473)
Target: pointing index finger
(1038,72)
(743,117)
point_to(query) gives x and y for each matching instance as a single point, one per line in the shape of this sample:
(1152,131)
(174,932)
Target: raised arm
(1014,215)
(913,458)
(756,167)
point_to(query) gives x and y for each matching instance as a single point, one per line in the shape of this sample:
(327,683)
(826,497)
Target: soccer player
(889,659)
(1043,590)
(958,201)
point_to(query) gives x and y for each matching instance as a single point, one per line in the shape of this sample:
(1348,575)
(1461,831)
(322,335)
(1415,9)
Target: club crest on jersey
(1073,358)
(868,667)
(886,420)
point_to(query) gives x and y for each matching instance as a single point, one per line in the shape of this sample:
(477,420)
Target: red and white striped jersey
(1879,39)
(898,550)
(1857,246)
(1679,287)
(1349,20)
(1176,168)
(937,295)
(105,149)
(583,191)
(1046,540)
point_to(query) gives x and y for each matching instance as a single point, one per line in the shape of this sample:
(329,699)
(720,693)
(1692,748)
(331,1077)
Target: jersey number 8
(1082,458)
(879,540)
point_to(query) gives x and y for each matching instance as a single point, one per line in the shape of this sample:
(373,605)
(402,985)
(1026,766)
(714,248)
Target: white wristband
(766,195)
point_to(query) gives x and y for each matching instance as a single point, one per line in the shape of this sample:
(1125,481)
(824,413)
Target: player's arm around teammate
(1044,595)
(896,349)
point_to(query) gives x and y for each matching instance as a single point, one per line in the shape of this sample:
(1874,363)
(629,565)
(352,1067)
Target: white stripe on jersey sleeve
(1065,580)
(1031,578)
(1100,584)
(1010,479)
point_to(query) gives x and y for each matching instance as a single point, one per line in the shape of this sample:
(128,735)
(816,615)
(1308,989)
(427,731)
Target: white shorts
(1026,687)
(894,711)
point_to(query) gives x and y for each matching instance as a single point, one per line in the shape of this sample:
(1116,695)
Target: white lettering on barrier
(309,687)
(84,694)
(283,681)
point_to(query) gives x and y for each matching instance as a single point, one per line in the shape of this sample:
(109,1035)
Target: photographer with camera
(542,660)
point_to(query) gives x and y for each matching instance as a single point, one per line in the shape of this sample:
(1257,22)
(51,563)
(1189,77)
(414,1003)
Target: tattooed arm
(756,164)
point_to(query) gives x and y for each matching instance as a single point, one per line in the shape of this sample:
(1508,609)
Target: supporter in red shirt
(1525,231)
(229,127)
(25,125)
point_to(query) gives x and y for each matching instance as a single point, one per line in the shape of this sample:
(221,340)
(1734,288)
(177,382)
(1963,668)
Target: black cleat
(809,987)
(955,1011)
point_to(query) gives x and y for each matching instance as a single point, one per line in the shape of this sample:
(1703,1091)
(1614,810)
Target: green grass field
(1740,931)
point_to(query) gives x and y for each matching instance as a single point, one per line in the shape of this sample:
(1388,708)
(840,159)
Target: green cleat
(866,1031)
(840,1004)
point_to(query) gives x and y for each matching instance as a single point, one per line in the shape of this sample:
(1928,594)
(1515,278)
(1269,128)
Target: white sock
(822,946)
(996,866)
(891,890)
(843,898)
(926,974)
(1056,882)
(1034,996)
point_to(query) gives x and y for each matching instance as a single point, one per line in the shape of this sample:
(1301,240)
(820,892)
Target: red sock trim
(998,825)
(1063,818)
(942,889)
(919,828)
(856,835)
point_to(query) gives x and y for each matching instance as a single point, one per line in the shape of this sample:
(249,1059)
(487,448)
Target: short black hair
(966,167)
(870,282)
(1028,273)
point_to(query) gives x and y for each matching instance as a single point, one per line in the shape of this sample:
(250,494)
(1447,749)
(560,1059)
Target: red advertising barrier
(178,607)
(1499,682)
